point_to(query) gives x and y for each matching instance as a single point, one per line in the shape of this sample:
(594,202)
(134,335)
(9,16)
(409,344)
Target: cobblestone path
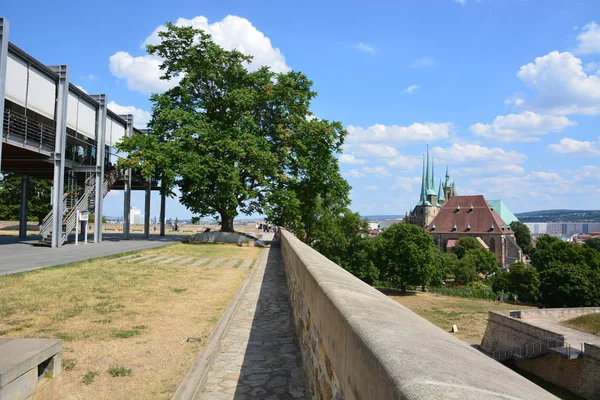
(259,355)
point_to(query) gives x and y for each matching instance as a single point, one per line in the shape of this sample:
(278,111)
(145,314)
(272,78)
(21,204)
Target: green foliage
(341,240)
(89,377)
(522,236)
(593,243)
(481,260)
(406,256)
(119,371)
(465,244)
(239,141)
(446,266)
(92,219)
(10,198)
(501,282)
(524,281)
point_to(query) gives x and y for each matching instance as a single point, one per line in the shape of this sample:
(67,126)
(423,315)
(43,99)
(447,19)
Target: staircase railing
(85,201)
(529,350)
(28,129)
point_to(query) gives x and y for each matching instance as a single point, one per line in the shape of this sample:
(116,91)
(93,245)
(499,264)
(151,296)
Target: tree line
(561,274)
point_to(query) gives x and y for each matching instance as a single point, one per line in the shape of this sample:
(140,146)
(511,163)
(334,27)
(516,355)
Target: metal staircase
(77,199)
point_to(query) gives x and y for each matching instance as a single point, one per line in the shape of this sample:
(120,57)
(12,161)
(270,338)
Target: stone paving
(259,356)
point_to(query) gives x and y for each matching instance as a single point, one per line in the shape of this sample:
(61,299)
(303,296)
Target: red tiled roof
(480,218)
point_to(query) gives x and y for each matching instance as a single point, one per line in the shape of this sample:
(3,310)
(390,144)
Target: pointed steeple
(441,196)
(447,183)
(423,200)
(430,186)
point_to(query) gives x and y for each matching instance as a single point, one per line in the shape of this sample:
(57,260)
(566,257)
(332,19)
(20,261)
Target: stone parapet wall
(504,331)
(556,313)
(359,344)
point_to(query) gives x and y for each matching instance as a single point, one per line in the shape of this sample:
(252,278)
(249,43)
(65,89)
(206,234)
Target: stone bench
(30,368)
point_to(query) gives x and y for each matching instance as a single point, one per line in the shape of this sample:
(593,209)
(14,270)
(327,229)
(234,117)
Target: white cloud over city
(140,117)
(142,73)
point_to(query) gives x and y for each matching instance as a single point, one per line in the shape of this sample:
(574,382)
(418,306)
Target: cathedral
(431,202)
(448,218)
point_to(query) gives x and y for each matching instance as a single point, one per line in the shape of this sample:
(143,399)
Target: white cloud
(355,173)
(415,133)
(476,154)
(423,62)
(82,89)
(461,2)
(592,67)
(371,187)
(515,100)
(140,117)
(373,150)
(91,77)
(233,32)
(405,163)
(406,184)
(350,159)
(381,172)
(524,127)
(561,85)
(576,147)
(365,48)
(411,89)
(589,39)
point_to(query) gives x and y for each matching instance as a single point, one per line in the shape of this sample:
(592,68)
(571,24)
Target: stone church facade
(448,217)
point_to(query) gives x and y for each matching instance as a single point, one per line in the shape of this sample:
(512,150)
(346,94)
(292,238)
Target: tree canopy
(10,198)
(235,141)
(465,244)
(522,236)
(406,255)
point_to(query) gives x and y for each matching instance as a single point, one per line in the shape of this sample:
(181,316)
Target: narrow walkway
(572,336)
(259,356)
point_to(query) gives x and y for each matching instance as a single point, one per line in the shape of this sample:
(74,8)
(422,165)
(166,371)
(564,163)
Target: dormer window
(457,207)
(454,227)
(468,227)
(471,208)
(433,227)
(492,227)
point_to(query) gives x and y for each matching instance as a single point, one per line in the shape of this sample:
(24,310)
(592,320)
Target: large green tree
(465,244)
(524,281)
(235,141)
(522,236)
(593,243)
(406,255)
(38,203)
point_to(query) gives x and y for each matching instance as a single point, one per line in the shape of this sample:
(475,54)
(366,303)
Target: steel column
(163,201)
(100,152)
(147,208)
(127,185)
(3,58)
(23,210)
(58,184)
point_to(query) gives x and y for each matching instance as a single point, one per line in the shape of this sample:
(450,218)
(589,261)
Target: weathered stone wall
(504,331)
(556,313)
(357,343)
(580,376)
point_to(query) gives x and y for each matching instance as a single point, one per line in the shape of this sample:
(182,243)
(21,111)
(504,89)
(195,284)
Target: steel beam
(100,153)
(147,208)
(127,185)
(163,202)
(3,58)
(58,156)
(23,211)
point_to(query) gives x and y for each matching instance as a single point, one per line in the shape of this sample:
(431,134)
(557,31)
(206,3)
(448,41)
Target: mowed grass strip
(470,315)
(589,323)
(134,316)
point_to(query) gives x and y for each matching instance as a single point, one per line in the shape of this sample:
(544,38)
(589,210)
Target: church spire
(441,197)
(447,183)
(422,199)
(430,186)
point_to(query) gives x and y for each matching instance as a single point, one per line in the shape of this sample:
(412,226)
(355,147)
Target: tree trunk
(226,222)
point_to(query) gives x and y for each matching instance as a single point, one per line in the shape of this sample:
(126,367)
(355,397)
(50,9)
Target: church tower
(431,200)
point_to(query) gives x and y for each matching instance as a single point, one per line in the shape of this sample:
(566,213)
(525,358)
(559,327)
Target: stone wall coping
(557,312)
(380,349)
(18,356)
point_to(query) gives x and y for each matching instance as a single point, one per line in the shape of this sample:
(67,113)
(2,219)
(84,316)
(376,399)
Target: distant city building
(135,216)
(565,229)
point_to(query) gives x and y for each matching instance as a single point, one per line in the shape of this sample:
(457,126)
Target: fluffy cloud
(461,2)
(380,172)
(372,150)
(142,73)
(371,187)
(355,173)
(405,163)
(365,48)
(411,89)
(562,87)
(476,154)
(589,39)
(140,117)
(415,133)
(576,147)
(406,184)
(350,159)
(524,127)
(423,62)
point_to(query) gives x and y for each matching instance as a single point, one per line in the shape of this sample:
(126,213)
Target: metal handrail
(28,129)
(524,350)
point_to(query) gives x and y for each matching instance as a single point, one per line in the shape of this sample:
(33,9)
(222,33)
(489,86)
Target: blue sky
(505,92)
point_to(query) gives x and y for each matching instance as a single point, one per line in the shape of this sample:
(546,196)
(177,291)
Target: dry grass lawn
(125,325)
(470,315)
(586,323)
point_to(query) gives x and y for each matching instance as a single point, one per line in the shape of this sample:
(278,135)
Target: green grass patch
(89,377)
(589,323)
(178,290)
(127,333)
(119,371)
(69,364)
